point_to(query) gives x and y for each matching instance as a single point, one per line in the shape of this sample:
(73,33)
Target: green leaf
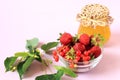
(23,66)
(55,76)
(8,63)
(46,77)
(49,45)
(67,71)
(31,50)
(32,43)
(21,54)
(19,69)
(27,63)
(93,57)
(24,54)
(39,58)
(75,39)
(59,74)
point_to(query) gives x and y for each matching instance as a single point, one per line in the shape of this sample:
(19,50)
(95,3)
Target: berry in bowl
(81,52)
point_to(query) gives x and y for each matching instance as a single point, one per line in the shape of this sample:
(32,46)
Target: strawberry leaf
(9,61)
(55,76)
(23,66)
(49,45)
(32,43)
(46,77)
(19,69)
(59,74)
(22,54)
(27,64)
(67,71)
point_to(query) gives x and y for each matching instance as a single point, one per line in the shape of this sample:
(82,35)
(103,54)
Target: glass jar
(95,19)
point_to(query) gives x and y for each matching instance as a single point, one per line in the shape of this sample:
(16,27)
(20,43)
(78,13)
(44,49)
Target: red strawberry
(84,39)
(66,38)
(96,50)
(79,47)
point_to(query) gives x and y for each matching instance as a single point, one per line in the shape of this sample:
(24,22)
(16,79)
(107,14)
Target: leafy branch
(57,76)
(22,60)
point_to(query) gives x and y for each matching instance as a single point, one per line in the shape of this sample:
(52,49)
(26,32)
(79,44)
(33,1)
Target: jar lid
(94,15)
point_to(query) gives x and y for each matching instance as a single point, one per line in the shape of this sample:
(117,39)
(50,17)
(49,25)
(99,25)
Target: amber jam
(104,31)
(95,19)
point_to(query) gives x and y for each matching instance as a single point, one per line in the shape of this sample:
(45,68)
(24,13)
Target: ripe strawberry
(84,39)
(96,50)
(79,47)
(66,38)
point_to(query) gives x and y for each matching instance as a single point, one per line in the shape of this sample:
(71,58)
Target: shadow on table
(109,63)
(111,57)
(67,78)
(34,69)
(37,69)
(114,40)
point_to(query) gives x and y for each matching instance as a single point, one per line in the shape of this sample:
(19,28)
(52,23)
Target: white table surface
(45,19)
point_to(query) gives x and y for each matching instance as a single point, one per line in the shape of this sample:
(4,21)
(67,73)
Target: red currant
(78,53)
(62,54)
(86,53)
(86,58)
(56,57)
(77,58)
(71,65)
(59,48)
(54,52)
(67,48)
(65,51)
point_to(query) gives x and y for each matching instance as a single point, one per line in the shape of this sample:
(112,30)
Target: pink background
(45,19)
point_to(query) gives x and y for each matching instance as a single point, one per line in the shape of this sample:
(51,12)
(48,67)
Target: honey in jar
(95,19)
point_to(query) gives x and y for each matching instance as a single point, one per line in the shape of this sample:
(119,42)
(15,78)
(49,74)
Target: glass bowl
(83,66)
